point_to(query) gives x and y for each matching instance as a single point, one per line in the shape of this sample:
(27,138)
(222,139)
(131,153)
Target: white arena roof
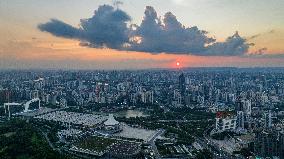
(111,121)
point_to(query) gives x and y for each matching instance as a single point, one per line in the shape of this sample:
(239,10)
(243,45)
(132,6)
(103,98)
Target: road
(153,145)
(218,153)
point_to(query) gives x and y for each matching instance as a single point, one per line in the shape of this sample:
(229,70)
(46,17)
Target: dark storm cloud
(233,46)
(59,28)
(108,28)
(168,35)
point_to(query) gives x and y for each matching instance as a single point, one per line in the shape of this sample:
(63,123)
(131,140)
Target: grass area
(95,143)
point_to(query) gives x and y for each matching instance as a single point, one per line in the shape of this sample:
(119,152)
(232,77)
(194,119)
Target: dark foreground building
(269,143)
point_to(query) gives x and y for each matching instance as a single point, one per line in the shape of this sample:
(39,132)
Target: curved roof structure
(111,121)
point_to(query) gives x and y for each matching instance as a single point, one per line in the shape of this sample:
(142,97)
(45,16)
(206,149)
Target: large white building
(225,121)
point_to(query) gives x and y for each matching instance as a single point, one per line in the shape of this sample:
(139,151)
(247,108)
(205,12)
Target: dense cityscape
(160,113)
(144,79)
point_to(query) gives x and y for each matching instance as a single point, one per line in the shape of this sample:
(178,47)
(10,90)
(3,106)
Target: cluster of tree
(196,128)
(244,152)
(19,139)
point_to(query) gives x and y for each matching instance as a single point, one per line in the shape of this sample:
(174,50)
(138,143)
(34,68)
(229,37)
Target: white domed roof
(111,121)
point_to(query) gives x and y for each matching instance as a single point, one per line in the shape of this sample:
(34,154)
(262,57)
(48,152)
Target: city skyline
(29,41)
(196,113)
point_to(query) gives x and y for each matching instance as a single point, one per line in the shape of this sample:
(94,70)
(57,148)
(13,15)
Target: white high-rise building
(225,121)
(247,107)
(147,97)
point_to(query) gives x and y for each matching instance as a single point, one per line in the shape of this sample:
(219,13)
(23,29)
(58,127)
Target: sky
(140,34)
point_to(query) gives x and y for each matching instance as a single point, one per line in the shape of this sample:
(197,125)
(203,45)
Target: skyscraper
(182,85)
(182,88)
(240,120)
(268,119)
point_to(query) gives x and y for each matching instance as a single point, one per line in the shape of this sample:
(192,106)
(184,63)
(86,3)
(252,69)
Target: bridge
(26,105)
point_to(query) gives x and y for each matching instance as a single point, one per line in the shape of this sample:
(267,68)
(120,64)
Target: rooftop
(111,121)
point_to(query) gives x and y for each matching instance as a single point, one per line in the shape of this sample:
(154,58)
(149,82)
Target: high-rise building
(39,84)
(247,107)
(240,120)
(34,94)
(182,84)
(182,87)
(244,106)
(268,119)
(147,97)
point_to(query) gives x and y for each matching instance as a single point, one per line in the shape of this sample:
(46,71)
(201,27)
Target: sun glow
(178,64)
